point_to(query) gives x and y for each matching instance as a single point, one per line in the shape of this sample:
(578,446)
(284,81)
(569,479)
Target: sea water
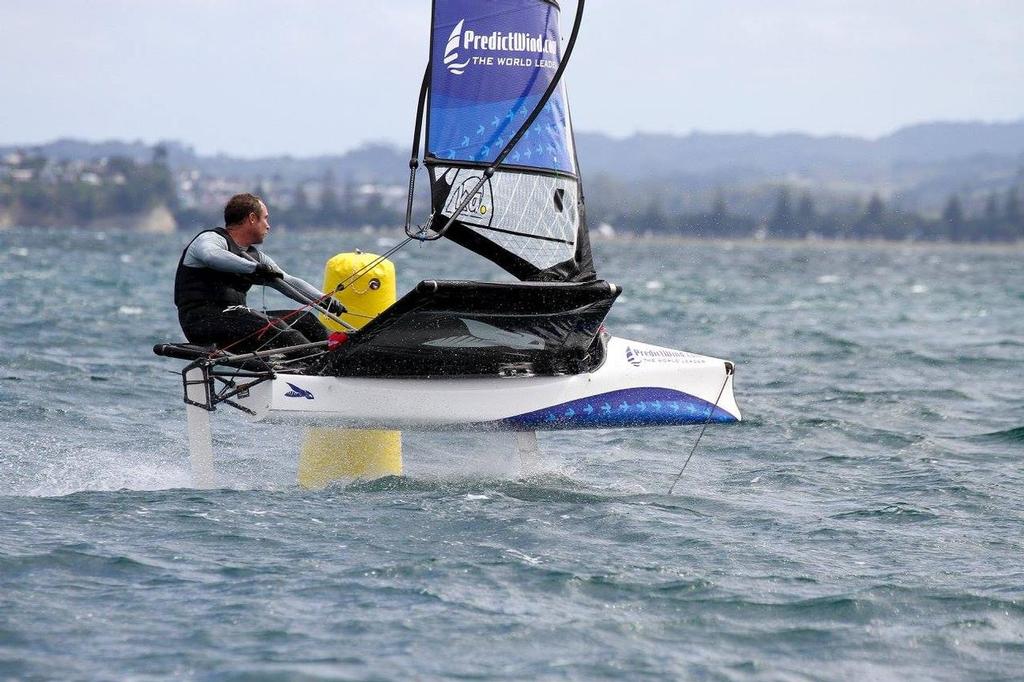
(865,521)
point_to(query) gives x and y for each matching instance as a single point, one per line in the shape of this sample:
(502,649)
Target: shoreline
(625,238)
(824,244)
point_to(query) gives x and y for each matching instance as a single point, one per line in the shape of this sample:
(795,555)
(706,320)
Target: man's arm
(311,293)
(210,250)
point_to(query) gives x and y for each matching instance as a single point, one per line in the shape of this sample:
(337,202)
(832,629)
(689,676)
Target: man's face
(259,225)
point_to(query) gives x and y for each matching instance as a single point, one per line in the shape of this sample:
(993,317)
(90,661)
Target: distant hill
(917,167)
(702,153)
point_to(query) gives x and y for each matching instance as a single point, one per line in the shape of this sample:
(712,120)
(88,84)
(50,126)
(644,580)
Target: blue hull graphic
(624,408)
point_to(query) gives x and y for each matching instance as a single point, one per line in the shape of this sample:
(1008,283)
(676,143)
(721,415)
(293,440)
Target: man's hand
(334,306)
(265,274)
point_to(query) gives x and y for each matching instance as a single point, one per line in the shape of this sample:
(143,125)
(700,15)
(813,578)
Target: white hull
(638,385)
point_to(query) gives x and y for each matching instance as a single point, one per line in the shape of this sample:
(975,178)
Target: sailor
(216,270)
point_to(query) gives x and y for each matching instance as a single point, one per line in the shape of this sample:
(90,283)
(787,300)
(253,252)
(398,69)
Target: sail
(492,62)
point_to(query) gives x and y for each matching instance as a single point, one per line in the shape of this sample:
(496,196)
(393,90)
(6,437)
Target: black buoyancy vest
(194,287)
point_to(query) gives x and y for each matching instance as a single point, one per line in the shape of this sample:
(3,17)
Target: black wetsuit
(212,307)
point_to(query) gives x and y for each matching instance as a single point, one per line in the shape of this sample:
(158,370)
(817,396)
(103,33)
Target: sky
(253,78)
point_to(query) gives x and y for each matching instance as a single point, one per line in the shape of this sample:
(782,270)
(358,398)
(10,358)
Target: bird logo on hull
(297,392)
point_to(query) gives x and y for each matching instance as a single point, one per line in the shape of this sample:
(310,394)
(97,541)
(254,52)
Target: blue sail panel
(491,63)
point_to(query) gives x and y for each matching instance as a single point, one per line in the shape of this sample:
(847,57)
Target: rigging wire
(414,156)
(372,264)
(273,324)
(729,370)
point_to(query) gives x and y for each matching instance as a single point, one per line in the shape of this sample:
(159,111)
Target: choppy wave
(1015,435)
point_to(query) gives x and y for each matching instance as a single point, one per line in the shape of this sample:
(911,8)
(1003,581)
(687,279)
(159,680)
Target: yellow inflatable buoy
(338,454)
(367,295)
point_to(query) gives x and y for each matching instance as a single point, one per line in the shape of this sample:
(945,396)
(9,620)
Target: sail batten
(494,99)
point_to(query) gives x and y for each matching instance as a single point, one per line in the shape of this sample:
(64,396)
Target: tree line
(36,191)
(1000,220)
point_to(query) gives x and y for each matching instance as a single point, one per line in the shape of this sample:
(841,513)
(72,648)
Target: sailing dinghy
(523,356)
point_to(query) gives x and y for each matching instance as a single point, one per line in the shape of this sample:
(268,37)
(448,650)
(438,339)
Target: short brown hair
(239,207)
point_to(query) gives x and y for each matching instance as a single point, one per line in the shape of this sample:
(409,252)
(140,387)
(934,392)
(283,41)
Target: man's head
(247,218)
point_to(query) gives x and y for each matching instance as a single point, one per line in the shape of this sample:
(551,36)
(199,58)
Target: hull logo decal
(297,392)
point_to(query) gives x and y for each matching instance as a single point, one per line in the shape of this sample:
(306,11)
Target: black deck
(475,328)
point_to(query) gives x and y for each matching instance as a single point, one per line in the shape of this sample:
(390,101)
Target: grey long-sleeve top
(210,250)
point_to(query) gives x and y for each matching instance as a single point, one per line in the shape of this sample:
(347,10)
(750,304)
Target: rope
(711,413)
(374,263)
(271,324)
